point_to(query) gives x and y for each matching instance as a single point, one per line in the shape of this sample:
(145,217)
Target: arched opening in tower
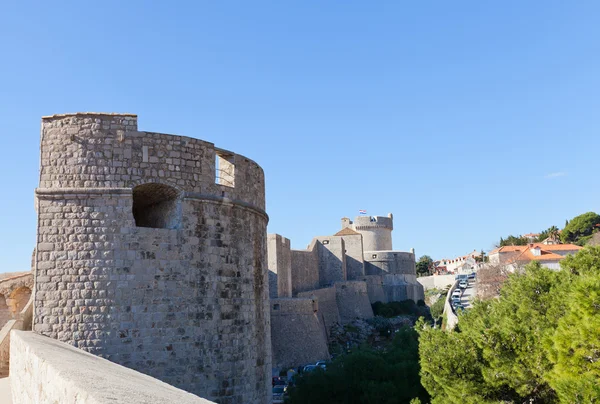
(157,206)
(18,300)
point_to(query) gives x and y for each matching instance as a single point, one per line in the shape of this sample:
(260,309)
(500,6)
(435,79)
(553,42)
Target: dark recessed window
(157,206)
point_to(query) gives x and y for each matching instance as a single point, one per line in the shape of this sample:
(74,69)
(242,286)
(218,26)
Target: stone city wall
(355,267)
(328,309)
(149,258)
(332,260)
(305,273)
(15,292)
(389,262)
(44,370)
(375,288)
(436,281)
(280,263)
(297,335)
(400,287)
(451,317)
(353,300)
(22,322)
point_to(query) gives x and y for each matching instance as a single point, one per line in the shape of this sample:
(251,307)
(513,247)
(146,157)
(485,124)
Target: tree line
(538,342)
(578,230)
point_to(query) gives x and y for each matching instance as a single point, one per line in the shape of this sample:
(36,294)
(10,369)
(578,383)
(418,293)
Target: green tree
(424,265)
(512,240)
(574,347)
(437,309)
(367,376)
(539,342)
(579,229)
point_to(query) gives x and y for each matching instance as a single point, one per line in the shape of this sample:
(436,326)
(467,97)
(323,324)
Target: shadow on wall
(332,267)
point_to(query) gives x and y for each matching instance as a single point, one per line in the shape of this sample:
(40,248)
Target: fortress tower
(151,252)
(376,231)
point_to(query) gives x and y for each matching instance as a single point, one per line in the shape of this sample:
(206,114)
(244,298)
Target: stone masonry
(151,252)
(343,274)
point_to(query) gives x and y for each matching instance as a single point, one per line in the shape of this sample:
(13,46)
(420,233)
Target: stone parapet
(44,370)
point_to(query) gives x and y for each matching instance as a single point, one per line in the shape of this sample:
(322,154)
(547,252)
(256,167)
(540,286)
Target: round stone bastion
(151,252)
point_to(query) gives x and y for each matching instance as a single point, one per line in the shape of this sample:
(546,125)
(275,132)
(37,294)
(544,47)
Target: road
(468,295)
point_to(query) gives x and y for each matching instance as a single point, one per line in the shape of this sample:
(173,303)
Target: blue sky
(467,120)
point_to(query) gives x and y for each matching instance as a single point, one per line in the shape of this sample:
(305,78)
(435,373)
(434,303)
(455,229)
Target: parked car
(471,276)
(463,284)
(278,381)
(457,293)
(455,300)
(310,368)
(322,364)
(279,393)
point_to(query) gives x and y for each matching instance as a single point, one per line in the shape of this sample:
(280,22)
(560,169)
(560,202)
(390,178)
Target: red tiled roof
(549,247)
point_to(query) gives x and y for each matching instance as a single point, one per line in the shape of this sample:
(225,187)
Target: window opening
(224,169)
(156,206)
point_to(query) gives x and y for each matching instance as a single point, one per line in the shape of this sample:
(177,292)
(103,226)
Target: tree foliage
(512,240)
(539,341)
(424,265)
(579,229)
(367,376)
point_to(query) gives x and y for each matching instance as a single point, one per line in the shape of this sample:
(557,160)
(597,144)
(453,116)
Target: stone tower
(376,231)
(151,252)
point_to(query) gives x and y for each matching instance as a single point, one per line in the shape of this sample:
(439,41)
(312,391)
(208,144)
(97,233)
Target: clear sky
(467,120)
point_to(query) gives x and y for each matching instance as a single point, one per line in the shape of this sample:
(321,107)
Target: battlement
(106,150)
(373,222)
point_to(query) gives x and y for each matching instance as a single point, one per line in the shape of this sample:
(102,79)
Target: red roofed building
(515,256)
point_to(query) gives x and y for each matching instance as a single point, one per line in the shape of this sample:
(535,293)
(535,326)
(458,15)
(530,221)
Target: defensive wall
(328,311)
(341,275)
(151,252)
(436,281)
(375,288)
(15,292)
(44,370)
(353,300)
(398,272)
(297,335)
(16,310)
(280,258)
(451,317)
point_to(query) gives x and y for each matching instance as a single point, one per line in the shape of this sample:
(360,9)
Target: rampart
(304,275)
(436,281)
(151,252)
(353,300)
(280,266)
(389,262)
(297,335)
(375,288)
(44,370)
(328,309)
(331,259)
(451,317)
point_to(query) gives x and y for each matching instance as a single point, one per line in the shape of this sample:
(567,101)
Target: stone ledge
(88,114)
(47,370)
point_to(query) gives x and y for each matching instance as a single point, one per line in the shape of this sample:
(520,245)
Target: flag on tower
(362,212)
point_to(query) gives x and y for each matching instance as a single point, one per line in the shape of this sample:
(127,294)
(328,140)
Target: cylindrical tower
(376,231)
(151,252)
